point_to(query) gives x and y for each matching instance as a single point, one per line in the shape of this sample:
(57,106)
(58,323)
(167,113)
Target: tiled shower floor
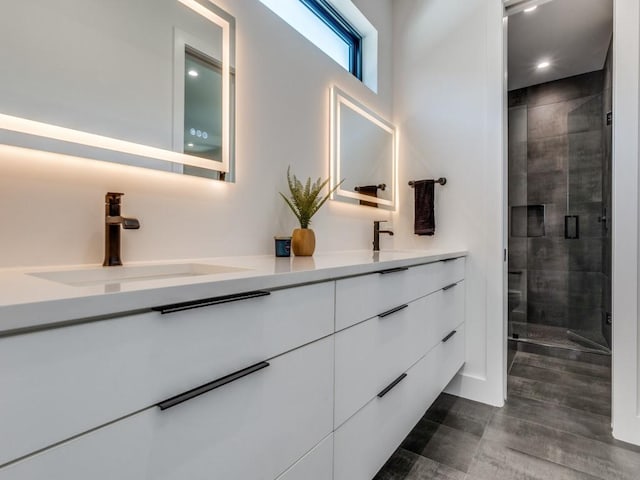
(554,426)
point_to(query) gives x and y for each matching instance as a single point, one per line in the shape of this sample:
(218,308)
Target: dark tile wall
(558,147)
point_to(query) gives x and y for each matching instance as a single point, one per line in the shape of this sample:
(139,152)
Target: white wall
(448,104)
(52,207)
(626,342)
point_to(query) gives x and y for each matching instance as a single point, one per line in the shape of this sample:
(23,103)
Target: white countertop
(28,301)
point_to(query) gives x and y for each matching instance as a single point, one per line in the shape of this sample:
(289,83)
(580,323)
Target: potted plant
(304,201)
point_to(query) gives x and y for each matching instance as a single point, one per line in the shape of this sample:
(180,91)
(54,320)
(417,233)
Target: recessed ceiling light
(530,9)
(193,73)
(542,65)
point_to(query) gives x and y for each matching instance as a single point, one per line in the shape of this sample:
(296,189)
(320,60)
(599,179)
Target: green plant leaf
(293,209)
(305,200)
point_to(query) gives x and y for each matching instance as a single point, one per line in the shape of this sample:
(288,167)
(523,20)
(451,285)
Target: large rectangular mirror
(149,83)
(363,154)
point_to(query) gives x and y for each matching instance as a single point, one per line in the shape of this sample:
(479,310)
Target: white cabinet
(253,428)
(449,356)
(365,442)
(315,465)
(363,297)
(315,382)
(60,382)
(98,455)
(371,355)
(390,368)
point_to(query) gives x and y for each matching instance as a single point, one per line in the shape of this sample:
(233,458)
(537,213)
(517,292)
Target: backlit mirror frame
(340,100)
(84,139)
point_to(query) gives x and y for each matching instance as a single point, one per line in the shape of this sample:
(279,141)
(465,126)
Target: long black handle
(207,387)
(445,339)
(392,385)
(393,270)
(207,302)
(392,311)
(449,287)
(449,259)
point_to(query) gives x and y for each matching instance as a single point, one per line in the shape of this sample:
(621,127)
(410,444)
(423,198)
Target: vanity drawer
(450,356)
(192,346)
(447,310)
(365,442)
(61,382)
(315,465)
(359,298)
(253,428)
(103,454)
(370,355)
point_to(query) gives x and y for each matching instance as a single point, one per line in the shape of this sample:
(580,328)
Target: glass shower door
(559,199)
(518,222)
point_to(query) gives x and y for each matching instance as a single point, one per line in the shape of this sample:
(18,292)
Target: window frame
(343,29)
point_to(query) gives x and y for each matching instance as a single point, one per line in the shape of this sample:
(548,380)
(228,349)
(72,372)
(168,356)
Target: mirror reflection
(363,154)
(202,106)
(121,81)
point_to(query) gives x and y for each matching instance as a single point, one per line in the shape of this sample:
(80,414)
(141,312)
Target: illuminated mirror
(110,80)
(363,154)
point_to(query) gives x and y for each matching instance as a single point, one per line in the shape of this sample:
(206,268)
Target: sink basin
(86,277)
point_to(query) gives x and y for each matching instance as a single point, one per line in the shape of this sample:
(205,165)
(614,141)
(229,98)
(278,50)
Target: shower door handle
(604,219)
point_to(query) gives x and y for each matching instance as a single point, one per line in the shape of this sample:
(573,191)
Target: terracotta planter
(303,242)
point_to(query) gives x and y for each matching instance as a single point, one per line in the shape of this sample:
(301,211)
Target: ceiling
(573,35)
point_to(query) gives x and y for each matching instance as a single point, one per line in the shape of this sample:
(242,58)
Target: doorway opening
(559,175)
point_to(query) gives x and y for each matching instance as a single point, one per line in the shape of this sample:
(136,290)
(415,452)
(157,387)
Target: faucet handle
(130,223)
(113,197)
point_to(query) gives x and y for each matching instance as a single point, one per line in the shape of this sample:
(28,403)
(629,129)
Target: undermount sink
(86,277)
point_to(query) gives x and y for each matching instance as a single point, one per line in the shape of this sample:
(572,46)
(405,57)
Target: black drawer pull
(207,302)
(445,339)
(207,387)
(392,311)
(449,287)
(393,270)
(449,259)
(391,385)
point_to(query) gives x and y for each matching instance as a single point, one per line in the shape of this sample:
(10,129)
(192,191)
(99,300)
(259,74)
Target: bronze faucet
(113,221)
(376,234)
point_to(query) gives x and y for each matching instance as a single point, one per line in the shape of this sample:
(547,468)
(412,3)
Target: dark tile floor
(554,426)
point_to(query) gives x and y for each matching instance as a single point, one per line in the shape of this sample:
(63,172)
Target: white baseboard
(628,432)
(475,388)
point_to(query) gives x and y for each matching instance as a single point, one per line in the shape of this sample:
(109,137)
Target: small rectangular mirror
(149,83)
(363,154)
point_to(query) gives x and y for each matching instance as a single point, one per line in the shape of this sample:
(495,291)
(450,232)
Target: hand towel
(425,222)
(371,191)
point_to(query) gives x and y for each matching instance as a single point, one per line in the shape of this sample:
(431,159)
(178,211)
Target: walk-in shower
(559,198)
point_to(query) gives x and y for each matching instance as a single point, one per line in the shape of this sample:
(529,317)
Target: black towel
(425,221)
(371,191)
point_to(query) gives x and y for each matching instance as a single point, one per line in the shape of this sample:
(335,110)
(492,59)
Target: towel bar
(382,186)
(441,181)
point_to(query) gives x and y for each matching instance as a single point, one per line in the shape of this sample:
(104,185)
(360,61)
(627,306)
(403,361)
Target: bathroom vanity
(290,369)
